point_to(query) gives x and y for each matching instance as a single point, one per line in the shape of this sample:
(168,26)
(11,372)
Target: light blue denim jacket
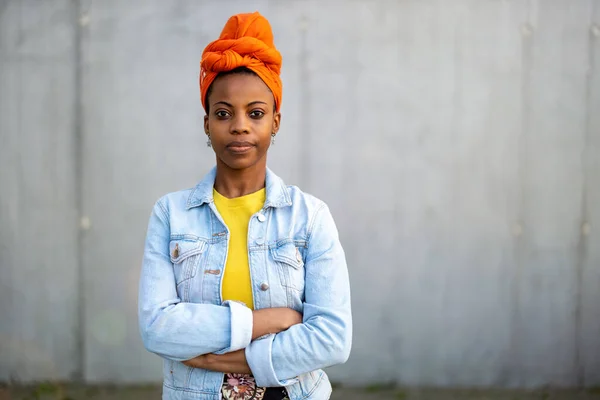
(296,260)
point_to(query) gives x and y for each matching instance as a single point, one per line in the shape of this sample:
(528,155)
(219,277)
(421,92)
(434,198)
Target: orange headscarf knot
(246,41)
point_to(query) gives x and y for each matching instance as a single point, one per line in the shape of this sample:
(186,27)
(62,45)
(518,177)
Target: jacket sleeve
(325,336)
(173,329)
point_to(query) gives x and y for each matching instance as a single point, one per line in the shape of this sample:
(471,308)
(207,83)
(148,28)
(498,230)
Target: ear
(276,122)
(206,128)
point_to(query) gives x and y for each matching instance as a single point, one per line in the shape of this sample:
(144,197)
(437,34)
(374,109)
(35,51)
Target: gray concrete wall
(456,142)
(39,328)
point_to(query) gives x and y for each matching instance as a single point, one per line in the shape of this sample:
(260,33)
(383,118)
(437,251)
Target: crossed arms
(276,345)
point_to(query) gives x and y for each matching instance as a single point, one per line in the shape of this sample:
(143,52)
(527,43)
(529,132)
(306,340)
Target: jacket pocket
(185,255)
(290,265)
(181,376)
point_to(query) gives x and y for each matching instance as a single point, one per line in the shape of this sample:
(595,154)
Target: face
(241,120)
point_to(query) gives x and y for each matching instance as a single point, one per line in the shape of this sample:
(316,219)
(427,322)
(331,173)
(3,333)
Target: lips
(239,147)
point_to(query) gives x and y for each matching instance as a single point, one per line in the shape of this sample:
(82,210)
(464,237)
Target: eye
(221,114)
(256,114)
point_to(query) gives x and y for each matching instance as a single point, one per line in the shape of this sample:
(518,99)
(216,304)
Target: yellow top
(236,213)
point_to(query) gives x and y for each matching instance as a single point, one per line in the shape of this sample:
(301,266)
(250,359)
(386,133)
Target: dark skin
(265,321)
(240,122)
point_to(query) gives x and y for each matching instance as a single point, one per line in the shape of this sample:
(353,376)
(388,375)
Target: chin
(239,164)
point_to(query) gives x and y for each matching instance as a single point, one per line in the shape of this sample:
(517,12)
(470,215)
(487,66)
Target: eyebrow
(249,104)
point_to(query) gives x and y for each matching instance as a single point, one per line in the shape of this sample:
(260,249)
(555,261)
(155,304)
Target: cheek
(217,128)
(266,143)
(264,129)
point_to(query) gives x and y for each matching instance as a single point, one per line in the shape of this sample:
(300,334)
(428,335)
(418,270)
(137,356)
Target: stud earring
(272,138)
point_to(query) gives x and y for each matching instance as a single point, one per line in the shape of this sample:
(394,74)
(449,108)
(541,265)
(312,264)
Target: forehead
(240,88)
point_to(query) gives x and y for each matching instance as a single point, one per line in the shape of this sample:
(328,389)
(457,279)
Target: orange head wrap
(246,41)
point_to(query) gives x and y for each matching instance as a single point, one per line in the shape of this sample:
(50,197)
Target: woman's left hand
(196,362)
(234,362)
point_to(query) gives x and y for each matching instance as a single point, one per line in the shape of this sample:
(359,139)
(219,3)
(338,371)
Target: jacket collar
(277,193)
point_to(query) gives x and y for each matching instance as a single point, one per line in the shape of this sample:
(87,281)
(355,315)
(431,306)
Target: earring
(208,142)
(272,138)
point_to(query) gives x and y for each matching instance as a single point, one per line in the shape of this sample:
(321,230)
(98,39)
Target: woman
(244,288)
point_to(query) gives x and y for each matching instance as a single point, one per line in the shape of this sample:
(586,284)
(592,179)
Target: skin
(240,122)
(266,321)
(241,112)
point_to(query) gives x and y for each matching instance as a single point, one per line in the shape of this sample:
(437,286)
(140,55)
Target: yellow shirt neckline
(252,198)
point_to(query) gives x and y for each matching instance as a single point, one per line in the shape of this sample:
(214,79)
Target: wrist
(206,360)
(196,362)
(267,321)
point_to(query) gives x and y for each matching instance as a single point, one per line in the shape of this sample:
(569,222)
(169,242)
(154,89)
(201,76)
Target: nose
(239,124)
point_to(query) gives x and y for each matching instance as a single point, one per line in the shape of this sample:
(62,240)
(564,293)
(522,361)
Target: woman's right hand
(273,320)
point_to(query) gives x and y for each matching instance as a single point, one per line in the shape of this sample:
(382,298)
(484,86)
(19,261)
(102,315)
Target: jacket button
(264,286)
(262,218)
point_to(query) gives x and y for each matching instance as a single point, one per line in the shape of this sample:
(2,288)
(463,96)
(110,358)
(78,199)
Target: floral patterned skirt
(243,387)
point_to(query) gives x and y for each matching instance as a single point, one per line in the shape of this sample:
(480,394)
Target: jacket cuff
(241,326)
(258,356)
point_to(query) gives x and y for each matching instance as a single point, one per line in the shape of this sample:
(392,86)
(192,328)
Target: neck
(235,183)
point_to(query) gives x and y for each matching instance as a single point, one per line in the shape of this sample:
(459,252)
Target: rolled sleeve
(241,326)
(179,330)
(258,355)
(324,338)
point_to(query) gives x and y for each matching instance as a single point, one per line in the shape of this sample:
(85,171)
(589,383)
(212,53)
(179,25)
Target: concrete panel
(422,114)
(589,294)
(555,63)
(143,137)
(38,240)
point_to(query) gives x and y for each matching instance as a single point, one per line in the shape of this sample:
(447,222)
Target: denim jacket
(296,261)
